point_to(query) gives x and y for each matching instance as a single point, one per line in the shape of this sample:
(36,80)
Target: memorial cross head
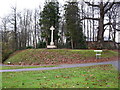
(52,28)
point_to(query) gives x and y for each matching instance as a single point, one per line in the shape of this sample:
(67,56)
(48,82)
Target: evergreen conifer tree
(74,32)
(50,17)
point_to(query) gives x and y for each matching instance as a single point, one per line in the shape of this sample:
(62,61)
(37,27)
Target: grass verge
(98,76)
(23,67)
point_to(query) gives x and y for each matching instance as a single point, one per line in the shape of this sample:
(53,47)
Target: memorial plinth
(51,46)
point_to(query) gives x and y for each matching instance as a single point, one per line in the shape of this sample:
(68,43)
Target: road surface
(114,63)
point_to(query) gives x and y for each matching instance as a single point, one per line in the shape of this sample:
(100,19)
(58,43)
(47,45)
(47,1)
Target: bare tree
(15,26)
(35,28)
(103,7)
(4,29)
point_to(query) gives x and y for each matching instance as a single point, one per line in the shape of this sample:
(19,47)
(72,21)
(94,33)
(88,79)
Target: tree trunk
(87,27)
(93,22)
(100,35)
(15,32)
(46,41)
(72,44)
(35,17)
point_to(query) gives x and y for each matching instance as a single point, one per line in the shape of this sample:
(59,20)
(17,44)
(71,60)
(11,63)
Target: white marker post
(52,28)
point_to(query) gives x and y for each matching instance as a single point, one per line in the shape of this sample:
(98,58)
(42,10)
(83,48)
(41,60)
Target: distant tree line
(76,23)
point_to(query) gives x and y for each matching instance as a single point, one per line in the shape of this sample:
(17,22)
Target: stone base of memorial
(51,46)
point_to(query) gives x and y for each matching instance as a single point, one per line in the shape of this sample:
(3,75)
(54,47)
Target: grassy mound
(55,56)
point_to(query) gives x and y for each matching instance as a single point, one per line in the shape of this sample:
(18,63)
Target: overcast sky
(5,5)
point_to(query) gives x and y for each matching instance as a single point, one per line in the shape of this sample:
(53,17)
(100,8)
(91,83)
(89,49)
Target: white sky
(5,5)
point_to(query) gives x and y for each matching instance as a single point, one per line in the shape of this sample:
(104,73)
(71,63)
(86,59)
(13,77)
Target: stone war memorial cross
(51,43)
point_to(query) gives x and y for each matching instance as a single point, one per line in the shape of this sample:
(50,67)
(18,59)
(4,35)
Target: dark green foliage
(74,32)
(41,44)
(29,47)
(6,51)
(49,17)
(6,54)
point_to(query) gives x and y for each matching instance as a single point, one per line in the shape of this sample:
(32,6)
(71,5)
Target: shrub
(29,47)
(41,44)
(6,53)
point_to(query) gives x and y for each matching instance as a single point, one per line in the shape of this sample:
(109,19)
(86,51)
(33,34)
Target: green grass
(55,56)
(99,76)
(22,67)
(110,53)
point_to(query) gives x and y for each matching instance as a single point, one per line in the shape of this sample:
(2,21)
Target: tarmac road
(114,63)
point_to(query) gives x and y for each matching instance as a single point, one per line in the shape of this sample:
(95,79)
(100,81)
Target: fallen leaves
(100,85)
(83,75)
(91,75)
(66,77)
(59,57)
(57,76)
(107,85)
(94,84)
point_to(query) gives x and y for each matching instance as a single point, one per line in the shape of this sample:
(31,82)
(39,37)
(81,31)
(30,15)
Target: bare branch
(109,7)
(115,27)
(105,28)
(89,4)
(116,2)
(90,18)
(106,3)
(107,24)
